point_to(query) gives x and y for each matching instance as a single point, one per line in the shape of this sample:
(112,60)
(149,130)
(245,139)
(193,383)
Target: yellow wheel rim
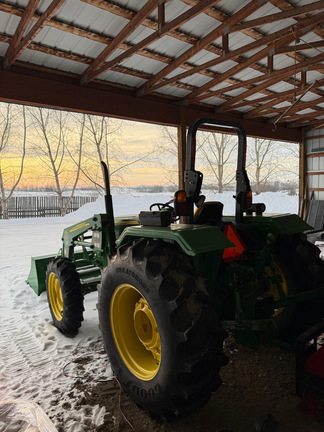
(278,275)
(135,332)
(55,296)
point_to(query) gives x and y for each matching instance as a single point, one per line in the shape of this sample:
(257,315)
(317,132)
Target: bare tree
(271,160)
(218,154)
(168,158)
(11,143)
(215,157)
(57,138)
(104,143)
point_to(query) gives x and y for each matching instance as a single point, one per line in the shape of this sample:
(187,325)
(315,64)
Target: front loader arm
(90,236)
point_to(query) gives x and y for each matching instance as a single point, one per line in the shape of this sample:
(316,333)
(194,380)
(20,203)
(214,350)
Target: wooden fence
(41,206)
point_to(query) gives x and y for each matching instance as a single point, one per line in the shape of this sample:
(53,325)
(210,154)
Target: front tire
(160,330)
(64,295)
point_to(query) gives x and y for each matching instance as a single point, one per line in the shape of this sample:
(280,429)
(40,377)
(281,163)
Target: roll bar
(193,178)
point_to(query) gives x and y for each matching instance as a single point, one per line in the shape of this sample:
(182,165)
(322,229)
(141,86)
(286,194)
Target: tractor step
(90,277)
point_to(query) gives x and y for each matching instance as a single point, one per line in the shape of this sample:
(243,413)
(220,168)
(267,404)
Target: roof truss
(250,64)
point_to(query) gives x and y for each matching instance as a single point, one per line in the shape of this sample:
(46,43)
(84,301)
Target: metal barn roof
(253,61)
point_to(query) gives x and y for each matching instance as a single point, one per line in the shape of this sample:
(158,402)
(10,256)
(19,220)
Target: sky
(137,139)
(146,155)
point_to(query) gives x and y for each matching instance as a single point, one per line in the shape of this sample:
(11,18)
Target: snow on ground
(35,358)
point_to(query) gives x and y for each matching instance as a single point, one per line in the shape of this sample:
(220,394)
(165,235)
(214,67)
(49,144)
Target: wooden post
(302,177)
(181,147)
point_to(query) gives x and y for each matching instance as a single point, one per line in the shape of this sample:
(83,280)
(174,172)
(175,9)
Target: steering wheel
(162,206)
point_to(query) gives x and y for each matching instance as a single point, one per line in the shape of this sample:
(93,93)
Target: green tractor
(169,291)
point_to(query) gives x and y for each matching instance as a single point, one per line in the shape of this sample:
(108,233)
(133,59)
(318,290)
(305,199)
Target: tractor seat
(210,213)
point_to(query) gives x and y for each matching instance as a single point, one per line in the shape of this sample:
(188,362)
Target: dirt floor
(255,383)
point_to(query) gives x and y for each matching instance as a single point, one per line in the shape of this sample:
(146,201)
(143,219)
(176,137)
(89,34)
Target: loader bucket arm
(193,178)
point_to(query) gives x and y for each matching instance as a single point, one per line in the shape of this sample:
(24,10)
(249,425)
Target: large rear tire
(160,330)
(302,271)
(64,295)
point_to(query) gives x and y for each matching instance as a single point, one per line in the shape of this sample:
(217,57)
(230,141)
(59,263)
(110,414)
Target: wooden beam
(302,195)
(161,15)
(221,17)
(201,44)
(33,32)
(129,28)
(244,84)
(274,78)
(182,141)
(300,106)
(299,47)
(275,100)
(225,44)
(177,34)
(280,16)
(270,62)
(19,33)
(310,124)
(301,118)
(314,155)
(314,137)
(231,55)
(306,24)
(62,91)
(204,4)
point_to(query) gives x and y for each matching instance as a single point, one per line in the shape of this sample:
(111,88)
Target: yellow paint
(55,296)
(80,226)
(135,332)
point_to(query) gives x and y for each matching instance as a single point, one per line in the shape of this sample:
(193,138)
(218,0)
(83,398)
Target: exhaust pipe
(109,209)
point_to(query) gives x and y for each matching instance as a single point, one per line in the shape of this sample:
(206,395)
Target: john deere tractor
(169,288)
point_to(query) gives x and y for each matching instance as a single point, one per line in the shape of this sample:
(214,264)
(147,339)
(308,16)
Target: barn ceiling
(258,62)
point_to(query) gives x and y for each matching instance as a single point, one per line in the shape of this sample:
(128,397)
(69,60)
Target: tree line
(268,161)
(67,147)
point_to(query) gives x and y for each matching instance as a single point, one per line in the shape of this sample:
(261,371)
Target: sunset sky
(154,154)
(137,139)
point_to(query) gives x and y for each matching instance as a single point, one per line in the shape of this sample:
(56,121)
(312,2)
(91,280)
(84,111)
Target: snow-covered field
(37,363)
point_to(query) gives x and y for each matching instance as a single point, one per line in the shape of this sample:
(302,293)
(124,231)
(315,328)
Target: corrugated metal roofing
(82,30)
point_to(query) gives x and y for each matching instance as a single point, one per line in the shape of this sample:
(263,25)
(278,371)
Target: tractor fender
(192,239)
(285,224)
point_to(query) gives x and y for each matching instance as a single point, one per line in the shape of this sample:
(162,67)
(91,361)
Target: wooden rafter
(274,78)
(113,8)
(87,60)
(257,102)
(22,44)
(276,99)
(132,25)
(291,111)
(299,120)
(201,44)
(307,23)
(232,55)
(199,8)
(19,33)
(299,47)
(270,19)
(284,5)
